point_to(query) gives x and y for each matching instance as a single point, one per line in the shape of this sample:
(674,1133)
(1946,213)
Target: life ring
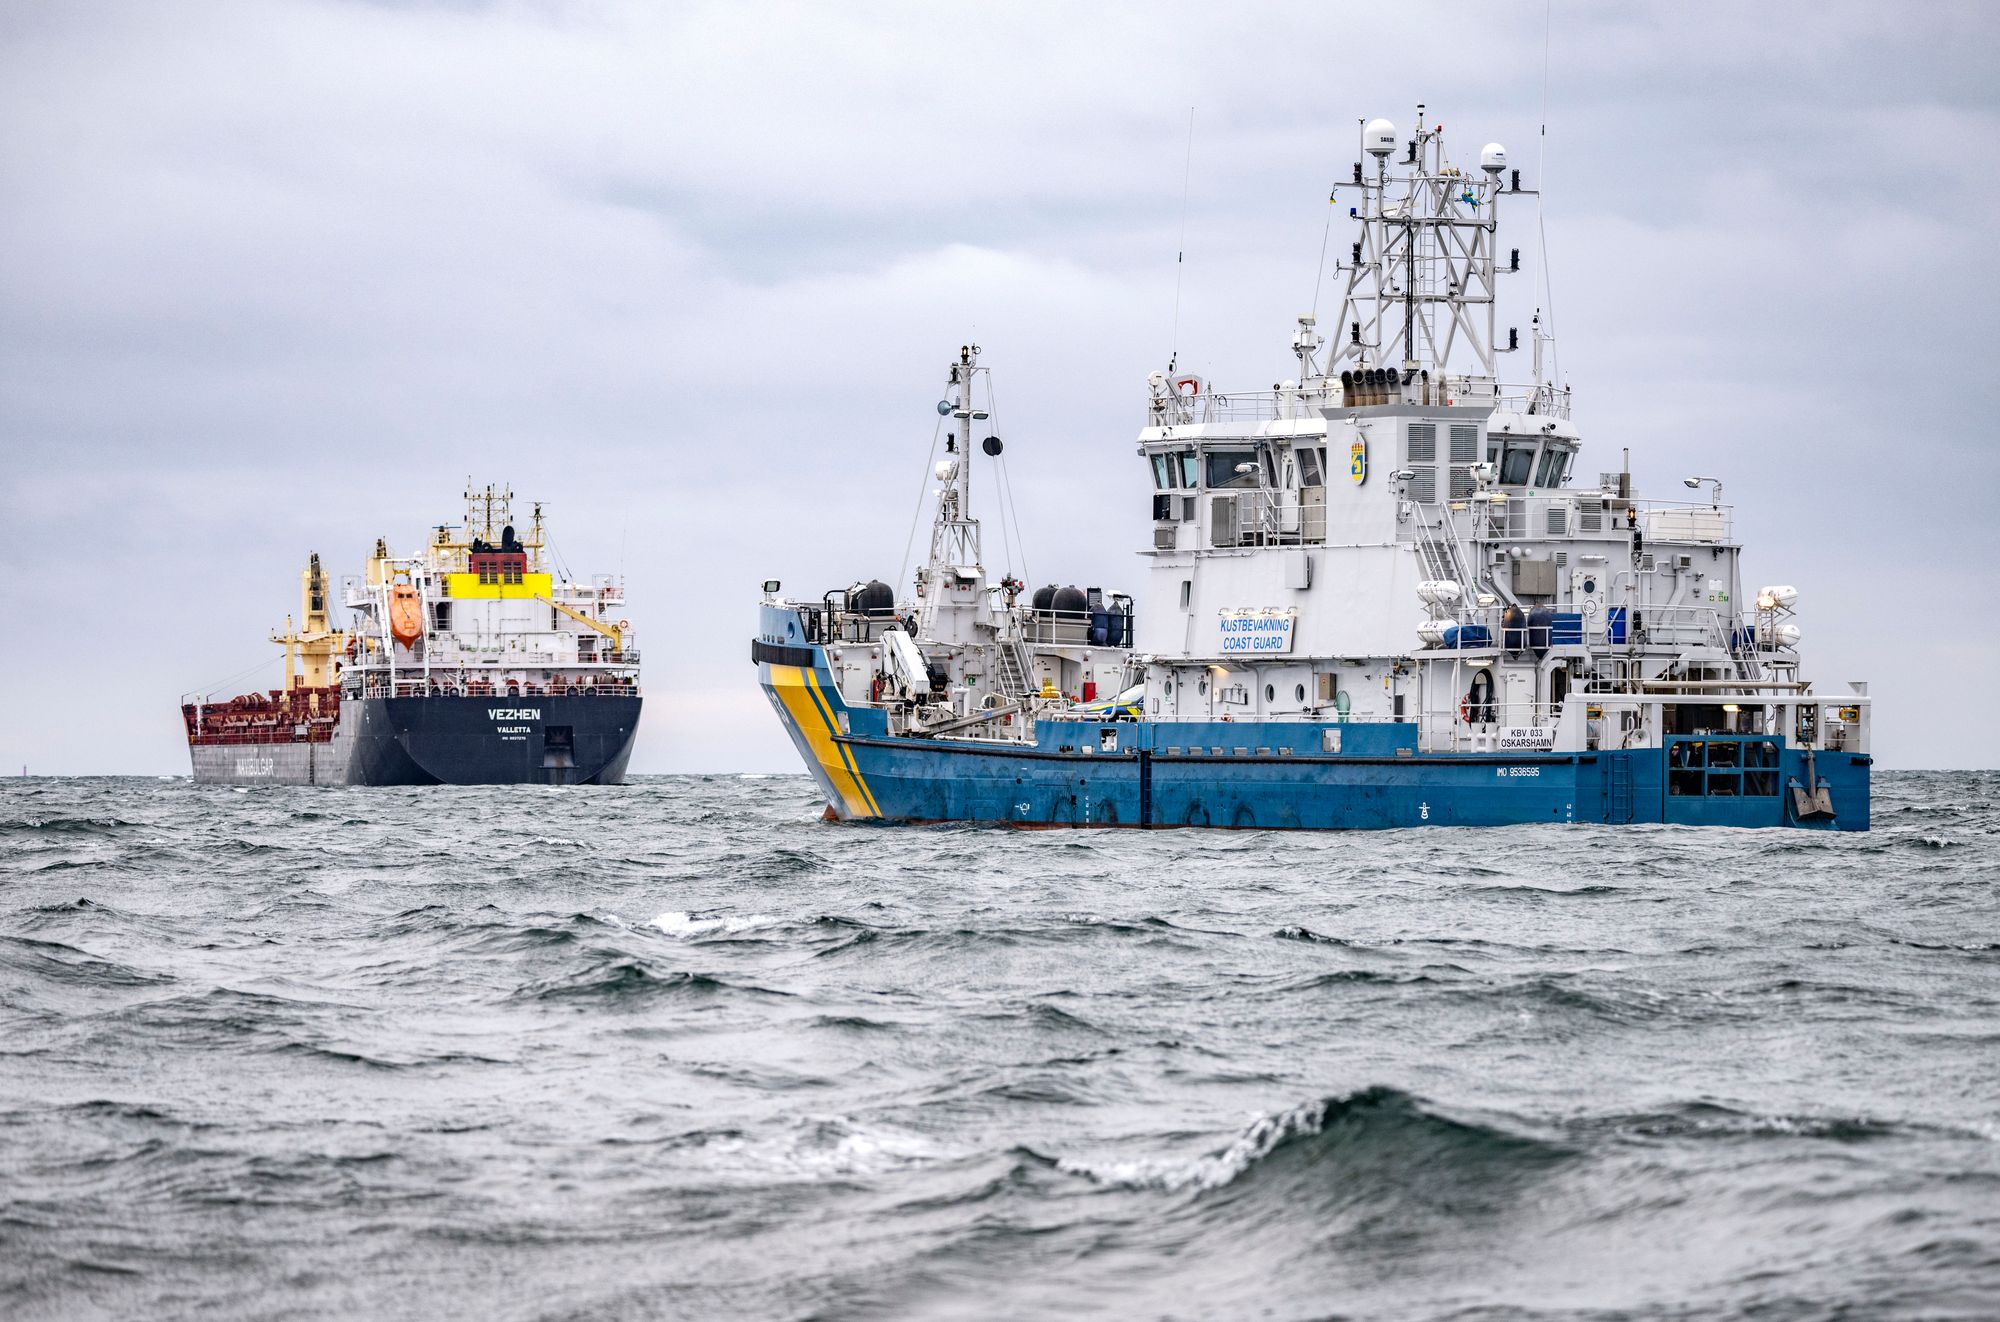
(1465,709)
(1187,386)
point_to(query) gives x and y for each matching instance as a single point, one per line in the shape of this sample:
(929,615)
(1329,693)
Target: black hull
(491,741)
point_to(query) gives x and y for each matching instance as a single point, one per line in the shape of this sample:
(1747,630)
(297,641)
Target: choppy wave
(1380,1125)
(684,1049)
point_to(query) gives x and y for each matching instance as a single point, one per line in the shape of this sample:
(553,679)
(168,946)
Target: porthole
(1201,685)
(1270,693)
(1300,692)
(1167,688)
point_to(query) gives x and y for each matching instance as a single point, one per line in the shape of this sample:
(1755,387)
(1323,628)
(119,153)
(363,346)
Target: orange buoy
(406,614)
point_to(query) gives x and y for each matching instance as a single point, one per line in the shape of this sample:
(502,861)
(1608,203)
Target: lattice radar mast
(1422,279)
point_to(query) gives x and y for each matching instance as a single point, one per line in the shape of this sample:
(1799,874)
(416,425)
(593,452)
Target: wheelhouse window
(1310,468)
(1175,470)
(1232,468)
(1553,463)
(1517,465)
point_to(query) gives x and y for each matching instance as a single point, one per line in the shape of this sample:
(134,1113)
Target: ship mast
(1422,279)
(311,652)
(954,532)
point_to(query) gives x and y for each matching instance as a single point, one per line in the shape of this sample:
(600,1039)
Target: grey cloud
(284,274)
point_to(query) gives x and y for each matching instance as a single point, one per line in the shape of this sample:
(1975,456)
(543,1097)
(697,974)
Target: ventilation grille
(1589,514)
(1464,443)
(1558,521)
(1424,484)
(1647,564)
(1423,442)
(1462,484)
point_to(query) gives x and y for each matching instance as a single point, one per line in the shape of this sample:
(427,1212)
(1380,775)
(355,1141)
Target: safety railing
(460,684)
(471,661)
(315,732)
(1489,725)
(1217,406)
(1544,401)
(1086,628)
(1262,516)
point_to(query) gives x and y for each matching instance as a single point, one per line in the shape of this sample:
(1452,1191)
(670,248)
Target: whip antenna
(1541,191)
(1180,254)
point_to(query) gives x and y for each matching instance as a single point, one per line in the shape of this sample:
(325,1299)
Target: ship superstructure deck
(472,662)
(1378,594)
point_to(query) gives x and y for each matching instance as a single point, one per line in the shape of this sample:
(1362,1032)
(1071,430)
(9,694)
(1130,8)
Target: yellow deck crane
(611,631)
(312,654)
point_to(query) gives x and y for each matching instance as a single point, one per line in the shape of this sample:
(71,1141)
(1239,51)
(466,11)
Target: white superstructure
(480,611)
(1397,535)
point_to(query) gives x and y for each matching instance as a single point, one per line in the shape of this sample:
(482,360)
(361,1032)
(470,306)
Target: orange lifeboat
(406,614)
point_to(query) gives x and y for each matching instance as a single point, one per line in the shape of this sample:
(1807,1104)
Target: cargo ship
(469,663)
(1378,594)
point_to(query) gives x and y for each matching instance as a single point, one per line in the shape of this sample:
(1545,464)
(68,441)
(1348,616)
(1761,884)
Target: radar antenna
(1423,276)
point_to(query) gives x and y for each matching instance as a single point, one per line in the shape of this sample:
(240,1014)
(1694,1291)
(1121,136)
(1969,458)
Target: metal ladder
(1437,544)
(1618,791)
(1014,667)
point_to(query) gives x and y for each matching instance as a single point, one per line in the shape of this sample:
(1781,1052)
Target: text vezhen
(515,713)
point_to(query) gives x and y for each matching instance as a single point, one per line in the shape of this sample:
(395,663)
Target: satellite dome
(1493,158)
(877,599)
(1379,137)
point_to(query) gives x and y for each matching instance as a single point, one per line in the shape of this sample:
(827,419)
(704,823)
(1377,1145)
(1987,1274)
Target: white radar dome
(1782,596)
(1493,158)
(1379,137)
(1770,635)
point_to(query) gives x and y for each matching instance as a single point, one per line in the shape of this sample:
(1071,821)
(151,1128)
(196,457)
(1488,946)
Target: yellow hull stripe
(790,684)
(846,753)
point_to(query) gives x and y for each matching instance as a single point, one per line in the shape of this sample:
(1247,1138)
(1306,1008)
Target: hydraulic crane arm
(611,631)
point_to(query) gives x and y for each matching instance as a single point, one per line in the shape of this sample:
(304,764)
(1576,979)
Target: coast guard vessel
(469,663)
(1379,594)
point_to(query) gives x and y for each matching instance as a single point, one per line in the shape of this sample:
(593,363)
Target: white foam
(1264,1133)
(674,922)
(817,1148)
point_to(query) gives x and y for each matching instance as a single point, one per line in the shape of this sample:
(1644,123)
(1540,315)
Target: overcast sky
(278,276)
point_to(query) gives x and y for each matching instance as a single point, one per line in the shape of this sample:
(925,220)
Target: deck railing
(459,685)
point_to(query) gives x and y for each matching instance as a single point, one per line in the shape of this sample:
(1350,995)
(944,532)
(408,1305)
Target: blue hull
(1280,775)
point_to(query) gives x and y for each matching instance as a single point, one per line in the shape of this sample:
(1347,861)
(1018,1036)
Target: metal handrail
(477,662)
(481,686)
